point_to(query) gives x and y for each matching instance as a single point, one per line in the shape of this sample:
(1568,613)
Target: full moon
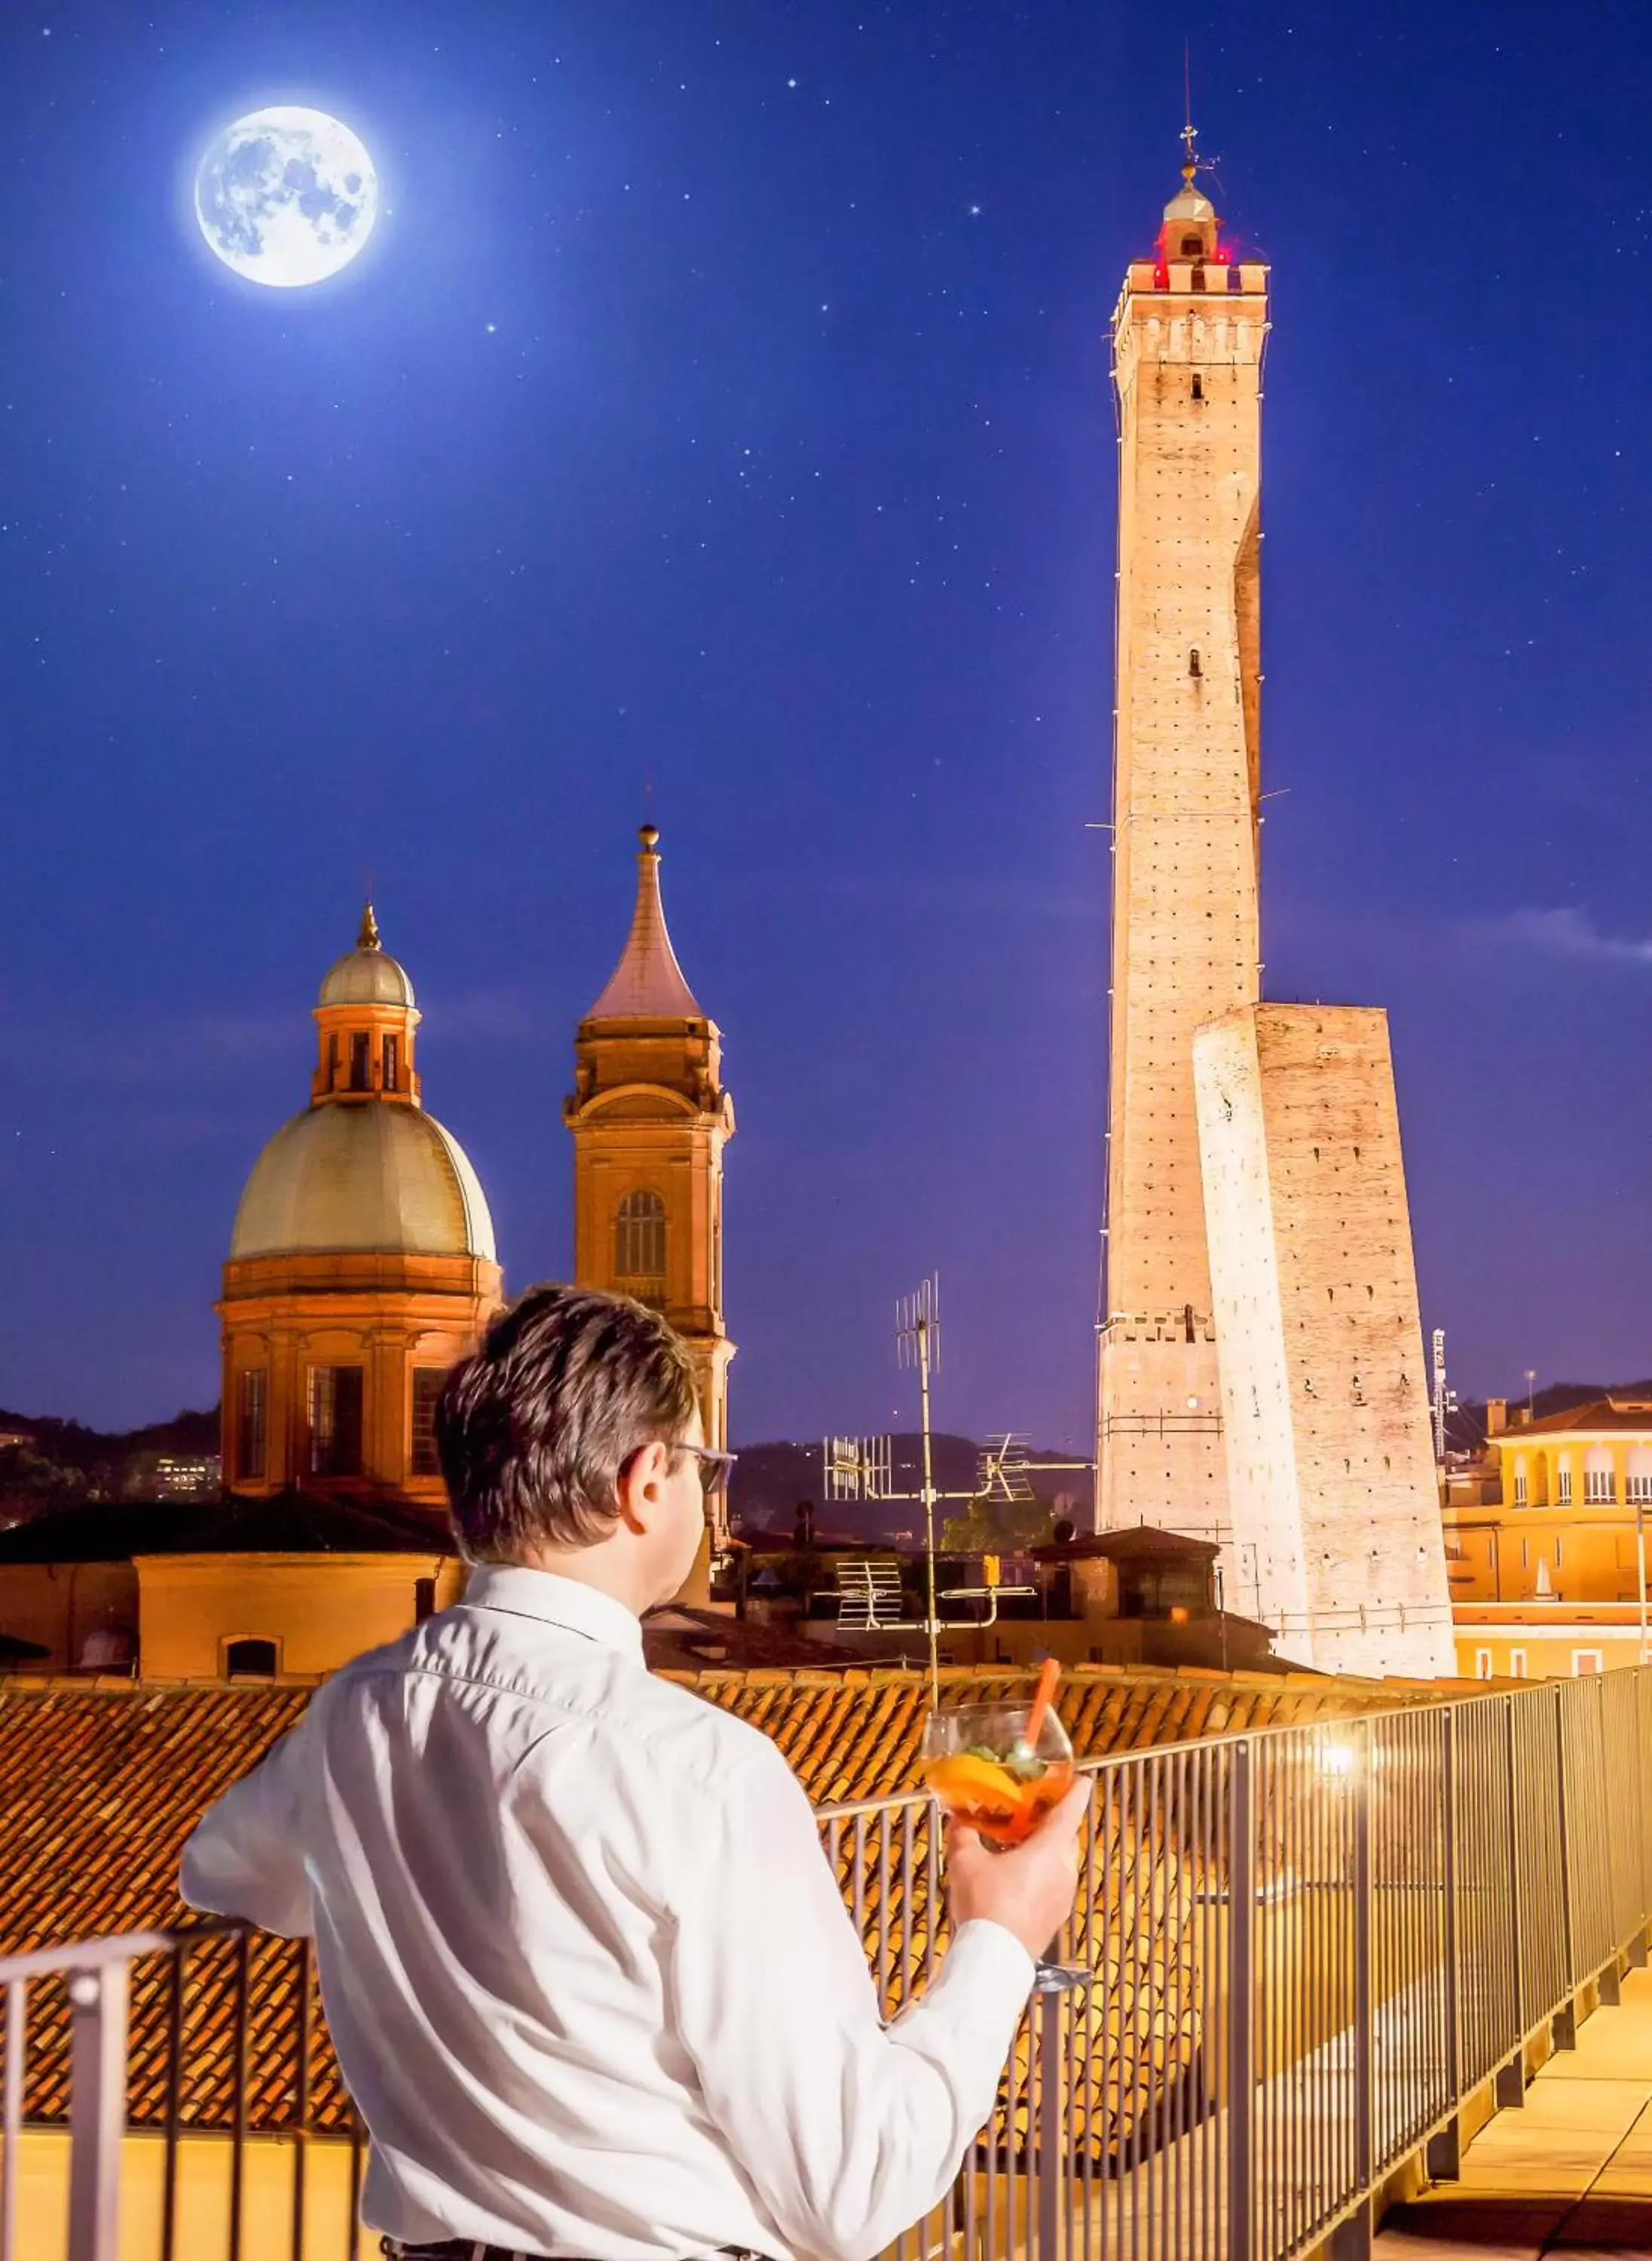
(286,196)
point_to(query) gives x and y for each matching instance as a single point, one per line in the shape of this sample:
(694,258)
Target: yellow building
(1547,1564)
(649,1119)
(361,1265)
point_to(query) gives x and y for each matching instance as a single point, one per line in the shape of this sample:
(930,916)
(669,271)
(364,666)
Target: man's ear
(637,1491)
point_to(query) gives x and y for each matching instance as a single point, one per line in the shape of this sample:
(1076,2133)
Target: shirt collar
(565,1602)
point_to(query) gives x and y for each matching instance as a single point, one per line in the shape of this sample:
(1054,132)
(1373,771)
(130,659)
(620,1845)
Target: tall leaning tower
(1188,339)
(1261,1379)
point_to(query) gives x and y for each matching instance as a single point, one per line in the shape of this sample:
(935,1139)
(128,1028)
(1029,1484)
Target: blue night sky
(723,401)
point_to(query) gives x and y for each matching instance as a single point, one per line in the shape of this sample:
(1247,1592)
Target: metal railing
(1309,1946)
(195,2063)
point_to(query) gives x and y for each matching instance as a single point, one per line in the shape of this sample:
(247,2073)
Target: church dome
(368,975)
(363,1178)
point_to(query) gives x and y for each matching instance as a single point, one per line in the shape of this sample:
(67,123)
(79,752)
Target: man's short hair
(533,1428)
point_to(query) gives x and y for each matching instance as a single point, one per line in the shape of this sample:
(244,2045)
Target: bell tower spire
(649,1118)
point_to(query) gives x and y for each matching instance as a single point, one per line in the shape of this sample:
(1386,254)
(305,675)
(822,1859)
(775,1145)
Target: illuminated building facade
(1260,1384)
(1548,1562)
(361,1264)
(649,1118)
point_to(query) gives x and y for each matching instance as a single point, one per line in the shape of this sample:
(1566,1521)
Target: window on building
(426,1388)
(1194,665)
(250,1419)
(1563,1484)
(424,1599)
(1600,1478)
(333,1063)
(390,1063)
(335,1421)
(1517,1664)
(1586,1659)
(1640,1488)
(361,1079)
(251,1660)
(639,1239)
(1519,1484)
(1483,1663)
(1192,247)
(1198,387)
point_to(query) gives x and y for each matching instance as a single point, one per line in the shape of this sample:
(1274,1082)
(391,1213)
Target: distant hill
(65,1462)
(771,1480)
(71,1445)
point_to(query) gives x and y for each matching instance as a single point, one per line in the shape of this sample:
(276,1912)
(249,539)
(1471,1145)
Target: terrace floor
(1569,2171)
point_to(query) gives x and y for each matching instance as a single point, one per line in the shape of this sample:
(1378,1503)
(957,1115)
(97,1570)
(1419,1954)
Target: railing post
(1364,2088)
(1517,1898)
(1241,2003)
(1052,1984)
(17,1998)
(98,2109)
(1448,1865)
(1444,2160)
(1569,1931)
(1351,2239)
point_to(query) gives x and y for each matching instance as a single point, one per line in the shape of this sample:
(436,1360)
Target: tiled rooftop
(100,1783)
(1632,1416)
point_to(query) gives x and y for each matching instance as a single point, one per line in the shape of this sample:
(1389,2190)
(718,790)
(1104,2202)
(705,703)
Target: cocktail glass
(980,1767)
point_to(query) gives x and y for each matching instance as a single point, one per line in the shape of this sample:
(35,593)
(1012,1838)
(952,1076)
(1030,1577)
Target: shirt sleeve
(245,1856)
(849,2130)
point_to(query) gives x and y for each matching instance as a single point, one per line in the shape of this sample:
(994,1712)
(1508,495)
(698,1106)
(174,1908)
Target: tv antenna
(1445,1400)
(918,1340)
(860,1468)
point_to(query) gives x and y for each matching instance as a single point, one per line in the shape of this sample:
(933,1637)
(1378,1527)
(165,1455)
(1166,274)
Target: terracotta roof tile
(100,1784)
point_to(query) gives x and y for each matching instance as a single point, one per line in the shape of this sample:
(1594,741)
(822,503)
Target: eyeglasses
(716,1469)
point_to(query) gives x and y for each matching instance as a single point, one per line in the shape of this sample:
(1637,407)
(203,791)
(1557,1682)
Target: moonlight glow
(286,196)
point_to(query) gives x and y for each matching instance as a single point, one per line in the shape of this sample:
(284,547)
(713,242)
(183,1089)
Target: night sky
(722,402)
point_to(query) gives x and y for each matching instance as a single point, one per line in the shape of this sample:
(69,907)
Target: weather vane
(1191,161)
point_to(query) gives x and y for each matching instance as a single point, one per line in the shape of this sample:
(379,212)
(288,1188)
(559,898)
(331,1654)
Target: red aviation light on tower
(1167,248)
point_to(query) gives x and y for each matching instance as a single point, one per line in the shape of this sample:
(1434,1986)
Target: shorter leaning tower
(650,1116)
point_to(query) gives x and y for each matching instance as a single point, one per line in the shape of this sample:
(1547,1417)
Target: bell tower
(1188,338)
(649,1118)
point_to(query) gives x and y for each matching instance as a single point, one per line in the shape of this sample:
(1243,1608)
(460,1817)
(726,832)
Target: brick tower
(649,1118)
(1188,339)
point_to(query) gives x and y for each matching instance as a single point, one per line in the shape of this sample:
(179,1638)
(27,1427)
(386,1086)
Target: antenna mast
(1445,1400)
(917,1336)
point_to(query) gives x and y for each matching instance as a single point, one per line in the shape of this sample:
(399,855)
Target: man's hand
(1030,1889)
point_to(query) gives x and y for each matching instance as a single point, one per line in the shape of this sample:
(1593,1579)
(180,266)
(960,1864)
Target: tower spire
(1190,131)
(648,983)
(369,938)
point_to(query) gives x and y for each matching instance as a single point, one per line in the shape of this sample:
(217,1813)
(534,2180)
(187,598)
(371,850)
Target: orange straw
(1044,1696)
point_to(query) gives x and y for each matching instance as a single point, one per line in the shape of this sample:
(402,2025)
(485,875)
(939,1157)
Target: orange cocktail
(980,1764)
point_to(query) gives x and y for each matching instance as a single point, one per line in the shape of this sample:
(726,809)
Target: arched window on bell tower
(639,1242)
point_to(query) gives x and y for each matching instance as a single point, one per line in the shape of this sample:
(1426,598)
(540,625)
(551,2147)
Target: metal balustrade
(1310,1945)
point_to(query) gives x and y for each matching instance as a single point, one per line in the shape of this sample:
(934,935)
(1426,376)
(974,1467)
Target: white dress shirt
(590,1979)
